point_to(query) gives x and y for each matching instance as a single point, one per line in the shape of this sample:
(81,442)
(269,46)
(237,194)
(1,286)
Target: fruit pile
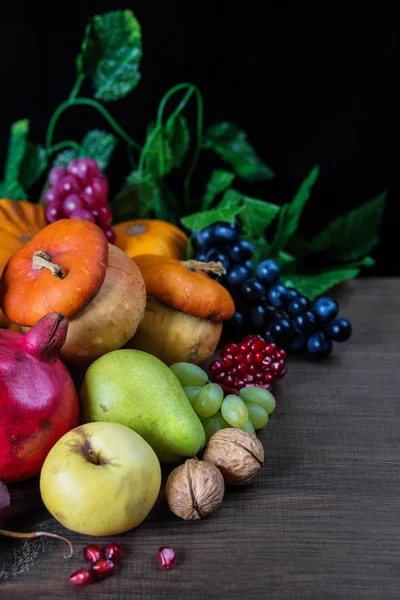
(79,192)
(248,409)
(263,304)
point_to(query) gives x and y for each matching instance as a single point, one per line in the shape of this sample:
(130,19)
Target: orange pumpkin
(19,223)
(184,312)
(69,267)
(150,236)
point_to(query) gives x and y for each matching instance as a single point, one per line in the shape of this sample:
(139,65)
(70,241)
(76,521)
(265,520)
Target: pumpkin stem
(205,267)
(42,260)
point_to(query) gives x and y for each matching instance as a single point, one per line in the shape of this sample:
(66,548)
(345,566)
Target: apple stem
(35,534)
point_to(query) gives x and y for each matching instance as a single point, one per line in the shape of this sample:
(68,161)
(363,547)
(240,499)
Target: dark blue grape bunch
(263,304)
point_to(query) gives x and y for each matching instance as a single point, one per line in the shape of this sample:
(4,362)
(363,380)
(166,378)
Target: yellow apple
(100,479)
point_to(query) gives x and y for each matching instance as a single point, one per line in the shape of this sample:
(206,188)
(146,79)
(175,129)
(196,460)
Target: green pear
(136,389)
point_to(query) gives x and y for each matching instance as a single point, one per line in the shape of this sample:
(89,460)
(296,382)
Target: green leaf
(167,207)
(312,286)
(62,159)
(16,149)
(178,136)
(286,260)
(230,143)
(290,214)
(200,220)
(111,53)
(99,145)
(230,199)
(136,199)
(159,160)
(219,181)
(257,215)
(33,165)
(353,235)
(261,250)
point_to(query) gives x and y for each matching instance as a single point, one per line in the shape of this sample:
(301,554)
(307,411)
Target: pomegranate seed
(248,378)
(257,345)
(113,552)
(248,339)
(230,348)
(242,369)
(216,367)
(258,357)
(253,369)
(276,367)
(104,567)
(270,349)
(228,360)
(258,376)
(239,383)
(166,558)
(268,378)
(248,359)
(238,358)
(229,380)
(266,361)
(280,355)
(93,553)
(221,377)
(82,577)
(243,347)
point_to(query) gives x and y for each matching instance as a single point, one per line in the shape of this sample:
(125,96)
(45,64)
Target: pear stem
(42,260)
(35,534)
(204,267)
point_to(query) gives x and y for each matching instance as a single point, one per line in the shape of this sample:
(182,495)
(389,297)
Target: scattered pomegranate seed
(113,552)
(93,553)
(82,577)
(104,567)
(166,557)
(250,362)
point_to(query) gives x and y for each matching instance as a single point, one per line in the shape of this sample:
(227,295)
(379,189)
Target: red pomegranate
(38,399)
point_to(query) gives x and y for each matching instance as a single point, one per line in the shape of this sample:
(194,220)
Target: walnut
(237,454)
(195,489)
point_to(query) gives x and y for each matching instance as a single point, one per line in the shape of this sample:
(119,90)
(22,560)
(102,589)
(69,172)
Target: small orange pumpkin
(184,312)
(69,267)
(19,223)
(151,236)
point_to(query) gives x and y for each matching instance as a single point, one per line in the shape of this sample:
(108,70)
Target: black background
(307,90)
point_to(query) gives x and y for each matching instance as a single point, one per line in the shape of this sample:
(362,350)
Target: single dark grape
(252,290)
(259,316)
(201,256)
(326,309)
(268,337)
(242,250)
(249,265)
(268,271)
(206,237)
(236,276)
(318,345)
(297,344)
(338,330)
(281,330)
(224,233)
(237,322)
(305,323)
(277,295)
(292,294)
(297,306)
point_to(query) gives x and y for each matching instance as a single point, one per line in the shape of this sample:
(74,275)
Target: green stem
(103,111)
(199,137)
(62,145)
(77,86)
(146,148)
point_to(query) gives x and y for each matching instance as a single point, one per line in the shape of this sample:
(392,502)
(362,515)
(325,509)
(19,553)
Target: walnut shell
(194,489)
(239,455)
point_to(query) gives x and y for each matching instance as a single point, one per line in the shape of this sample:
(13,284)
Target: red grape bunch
(79,192)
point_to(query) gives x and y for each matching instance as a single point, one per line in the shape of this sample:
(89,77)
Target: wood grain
(322,521)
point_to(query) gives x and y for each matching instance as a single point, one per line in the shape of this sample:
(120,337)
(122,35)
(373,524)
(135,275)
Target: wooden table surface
(322,521)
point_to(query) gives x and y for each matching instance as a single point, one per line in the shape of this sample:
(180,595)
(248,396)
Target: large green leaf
(257,215)
(99,145)
(16,149)
(230,199)
(159,159)
(290,214)
(178,136)
(351,236)
(200,220)
(111,53)
(231,144)
(137,198)
(219,181)
(312,286)
(33,165)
